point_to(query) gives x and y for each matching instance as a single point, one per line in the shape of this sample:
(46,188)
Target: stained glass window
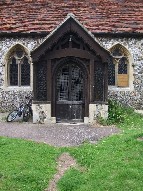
(111,74)
(19,68)
(25,72)
(13,72)
(118,70)
(116,52)
(19,52)
(41,85)
(122,66)
(99,81)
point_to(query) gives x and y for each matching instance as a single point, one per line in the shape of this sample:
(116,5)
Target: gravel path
(60,135)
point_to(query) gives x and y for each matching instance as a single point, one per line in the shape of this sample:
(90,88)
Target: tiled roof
(111,16)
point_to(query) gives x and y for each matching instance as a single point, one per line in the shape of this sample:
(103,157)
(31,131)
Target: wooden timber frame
(70,43)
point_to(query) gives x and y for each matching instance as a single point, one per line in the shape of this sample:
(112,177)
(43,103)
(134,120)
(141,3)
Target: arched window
(18,67)
(118,71)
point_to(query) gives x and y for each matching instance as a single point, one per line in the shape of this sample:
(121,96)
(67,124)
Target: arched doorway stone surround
(70,43)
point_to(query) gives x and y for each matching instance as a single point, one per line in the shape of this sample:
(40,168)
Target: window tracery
(18,67)
(118,70)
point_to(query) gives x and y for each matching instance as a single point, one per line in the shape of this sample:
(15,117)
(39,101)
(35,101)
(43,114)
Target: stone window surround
(113,88)
(6,80)
(129,57)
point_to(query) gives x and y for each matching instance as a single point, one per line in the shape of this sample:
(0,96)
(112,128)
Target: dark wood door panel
(76,112)
(70,93)
(67,112)
(62,112)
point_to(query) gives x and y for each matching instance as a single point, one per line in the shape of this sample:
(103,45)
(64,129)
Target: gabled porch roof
(70,24)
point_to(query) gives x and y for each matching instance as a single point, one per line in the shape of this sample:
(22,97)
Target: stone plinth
(97,110)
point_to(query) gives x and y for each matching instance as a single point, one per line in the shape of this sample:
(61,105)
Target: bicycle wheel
(11,116)
(26,114)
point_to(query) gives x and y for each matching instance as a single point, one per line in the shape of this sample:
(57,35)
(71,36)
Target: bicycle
(24,109)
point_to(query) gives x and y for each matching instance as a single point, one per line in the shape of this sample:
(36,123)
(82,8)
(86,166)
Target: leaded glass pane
(63,84)
(13,72)
(116,52)
(122,66)
(76,83)
(19,52)
(25,72)
(70,83)
(111,74)
(41,86)
(99,81)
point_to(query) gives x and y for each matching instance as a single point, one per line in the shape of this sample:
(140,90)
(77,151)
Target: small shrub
(116,112)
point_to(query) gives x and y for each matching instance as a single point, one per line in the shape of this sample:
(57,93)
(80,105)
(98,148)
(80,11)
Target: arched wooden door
(70,93)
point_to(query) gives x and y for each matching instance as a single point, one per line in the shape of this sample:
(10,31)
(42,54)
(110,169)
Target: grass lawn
(115,163)
(25,165)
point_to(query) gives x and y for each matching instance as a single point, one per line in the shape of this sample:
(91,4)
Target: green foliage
(117,113)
